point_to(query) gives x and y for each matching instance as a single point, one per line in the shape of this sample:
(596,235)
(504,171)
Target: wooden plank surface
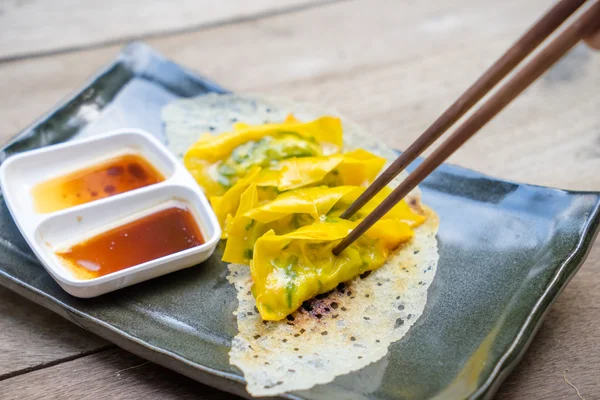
(31,336)
(113,374)
(392,67)
(394,93)
(42,26)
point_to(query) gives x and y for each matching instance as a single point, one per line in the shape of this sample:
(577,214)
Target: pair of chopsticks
(585,25)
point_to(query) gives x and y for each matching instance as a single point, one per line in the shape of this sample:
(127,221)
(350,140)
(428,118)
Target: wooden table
(391,65)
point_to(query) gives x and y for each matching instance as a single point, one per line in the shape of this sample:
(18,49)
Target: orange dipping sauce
(117,175)
(148,238)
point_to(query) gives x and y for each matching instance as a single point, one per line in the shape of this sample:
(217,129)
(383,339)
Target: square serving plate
(47,233)
(506,252)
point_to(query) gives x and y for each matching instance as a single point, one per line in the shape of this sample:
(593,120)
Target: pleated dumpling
(292,268)
(218,162)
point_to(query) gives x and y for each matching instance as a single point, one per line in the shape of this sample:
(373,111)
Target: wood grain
(394,96)
(31,336)
(42,26)
(113,374)
(393,67)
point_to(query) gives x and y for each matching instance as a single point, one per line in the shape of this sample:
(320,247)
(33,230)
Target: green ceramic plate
(506,252)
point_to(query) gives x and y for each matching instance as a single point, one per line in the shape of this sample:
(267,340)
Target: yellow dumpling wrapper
(228,203)
(298,172)
(355,168)
(326,130)
(217,162)
(359,168)
(242,231)
(401,211)
(302,207)
(391,232)
(292,268)
(315,201)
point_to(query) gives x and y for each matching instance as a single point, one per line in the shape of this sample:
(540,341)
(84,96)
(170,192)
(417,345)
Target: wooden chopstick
(586,24)
(509,60)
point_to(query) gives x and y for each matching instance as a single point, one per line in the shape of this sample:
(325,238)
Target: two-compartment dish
(95,211)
